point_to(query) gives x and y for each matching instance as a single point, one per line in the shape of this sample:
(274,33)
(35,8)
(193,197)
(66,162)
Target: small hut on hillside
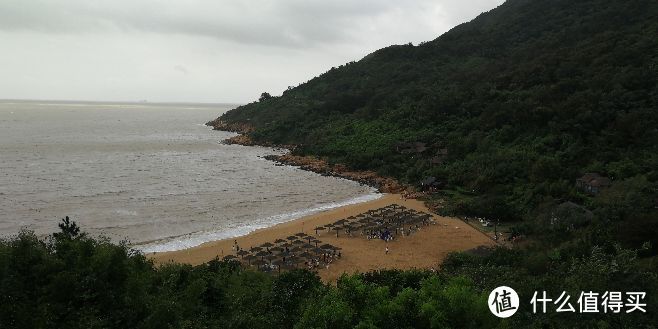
(592,183)
(430,184)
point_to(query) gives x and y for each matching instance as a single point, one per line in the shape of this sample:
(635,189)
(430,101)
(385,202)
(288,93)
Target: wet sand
(424,249)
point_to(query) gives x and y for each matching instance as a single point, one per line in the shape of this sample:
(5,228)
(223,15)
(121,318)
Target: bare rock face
(240,140)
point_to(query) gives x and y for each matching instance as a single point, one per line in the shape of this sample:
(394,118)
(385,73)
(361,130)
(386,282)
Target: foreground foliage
(74,281)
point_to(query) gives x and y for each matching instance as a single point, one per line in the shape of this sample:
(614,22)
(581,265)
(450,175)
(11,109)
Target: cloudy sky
(200,50)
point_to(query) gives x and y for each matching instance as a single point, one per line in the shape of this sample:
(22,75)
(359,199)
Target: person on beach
(387,250)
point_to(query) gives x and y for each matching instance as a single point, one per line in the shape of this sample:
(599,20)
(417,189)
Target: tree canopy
(89,282)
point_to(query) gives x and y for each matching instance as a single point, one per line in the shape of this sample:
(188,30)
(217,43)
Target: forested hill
(513,106)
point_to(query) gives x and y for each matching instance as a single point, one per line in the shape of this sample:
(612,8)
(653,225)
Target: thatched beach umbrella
(284,254)
(301,234)
(259,262)
(326,246)
(249,258)
(364,220)
(266,245)
(262,254)
(337,229)
(293,260)
(298,242)
(292,237)
(270,258)
(242,253)
(254,249)
(279,263)
(279,240)
(319,228)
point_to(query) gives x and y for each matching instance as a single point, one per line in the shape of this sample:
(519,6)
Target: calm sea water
(149,173)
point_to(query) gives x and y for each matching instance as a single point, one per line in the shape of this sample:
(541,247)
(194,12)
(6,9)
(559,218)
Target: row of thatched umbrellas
(391,217)
(288,252)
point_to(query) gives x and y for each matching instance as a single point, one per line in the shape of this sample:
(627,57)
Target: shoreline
(310,163)
(424,249)
(184,242)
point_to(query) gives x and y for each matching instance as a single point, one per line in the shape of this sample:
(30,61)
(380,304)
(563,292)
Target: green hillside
(512,107)
(507,111)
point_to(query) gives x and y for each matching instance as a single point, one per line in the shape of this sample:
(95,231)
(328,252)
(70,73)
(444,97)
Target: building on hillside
(593,183)
(430,184)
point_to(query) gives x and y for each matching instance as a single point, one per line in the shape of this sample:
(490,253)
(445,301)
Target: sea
(151,175)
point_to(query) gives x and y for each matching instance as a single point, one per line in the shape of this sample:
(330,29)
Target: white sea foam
(196,239)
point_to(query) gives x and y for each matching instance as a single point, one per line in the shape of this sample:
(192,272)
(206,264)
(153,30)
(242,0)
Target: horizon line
(116,101)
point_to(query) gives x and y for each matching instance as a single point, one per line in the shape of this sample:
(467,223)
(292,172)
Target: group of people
(380,234)
(388,236)
(235,246)
(325,259)
(410,230)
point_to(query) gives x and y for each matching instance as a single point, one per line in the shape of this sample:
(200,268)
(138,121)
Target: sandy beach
(424,249)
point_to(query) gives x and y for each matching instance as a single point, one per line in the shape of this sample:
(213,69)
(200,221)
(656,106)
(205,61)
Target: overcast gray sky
(200,50)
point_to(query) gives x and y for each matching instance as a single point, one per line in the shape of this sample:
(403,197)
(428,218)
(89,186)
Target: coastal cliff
(505,112)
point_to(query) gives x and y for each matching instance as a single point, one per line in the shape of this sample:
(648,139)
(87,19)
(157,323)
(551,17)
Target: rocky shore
(310,163)
(241,128)
(314,164)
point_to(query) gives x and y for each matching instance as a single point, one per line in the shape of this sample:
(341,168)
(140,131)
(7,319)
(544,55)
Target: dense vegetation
(74,281)
(525,98)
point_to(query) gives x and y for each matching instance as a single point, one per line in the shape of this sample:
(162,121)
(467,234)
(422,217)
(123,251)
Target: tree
(264,96)
(69,228)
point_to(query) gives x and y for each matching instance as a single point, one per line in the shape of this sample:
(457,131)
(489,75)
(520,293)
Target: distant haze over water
(149,173)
